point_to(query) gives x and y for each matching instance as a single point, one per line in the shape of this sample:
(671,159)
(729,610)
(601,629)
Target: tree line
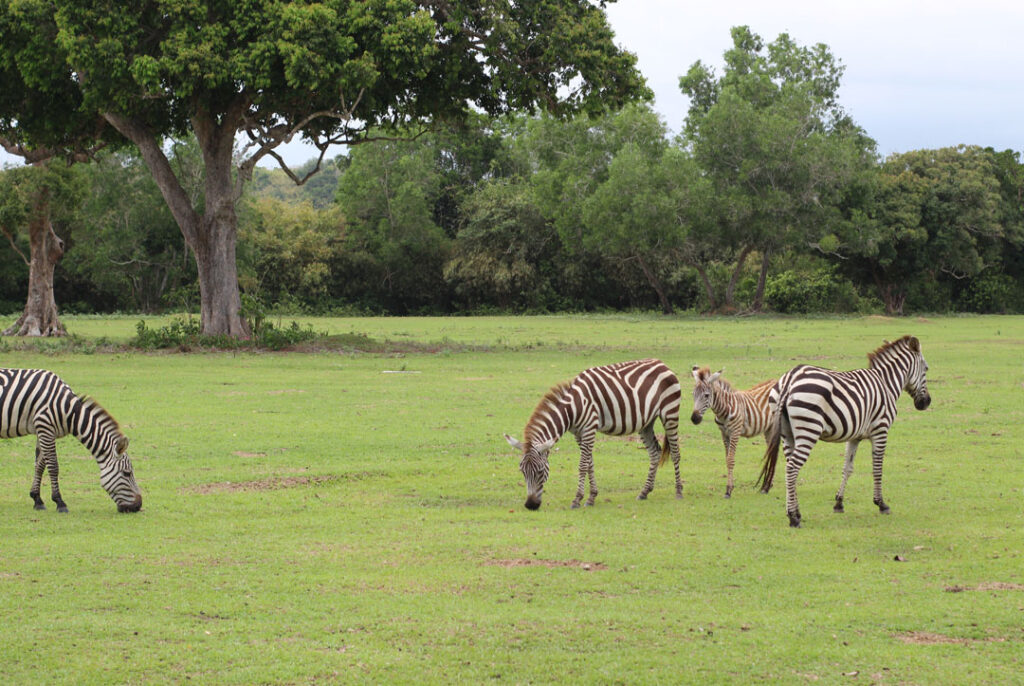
(771,197)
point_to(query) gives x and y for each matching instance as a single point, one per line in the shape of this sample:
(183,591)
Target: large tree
(32,198)
(929,218)
(774,141)
(42,121)
(327,72)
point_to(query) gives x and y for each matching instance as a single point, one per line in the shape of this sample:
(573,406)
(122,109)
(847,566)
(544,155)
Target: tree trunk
(708,288)
(46,249)
(213,235)
(666,306)
(761,280)
(893,299)
(731,288)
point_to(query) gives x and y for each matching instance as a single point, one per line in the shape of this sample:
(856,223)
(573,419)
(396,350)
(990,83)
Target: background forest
(771,198)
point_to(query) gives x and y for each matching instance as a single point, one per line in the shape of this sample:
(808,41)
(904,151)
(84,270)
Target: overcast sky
(918,75)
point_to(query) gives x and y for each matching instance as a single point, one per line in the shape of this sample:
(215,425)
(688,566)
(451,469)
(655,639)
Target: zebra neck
(892,371)
(552,420)
(722,400)
(95,430)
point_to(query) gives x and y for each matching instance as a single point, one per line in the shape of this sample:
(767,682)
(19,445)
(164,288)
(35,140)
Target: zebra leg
(851,451)
(38,478)
(47,446)
(731,436)
(654,451)
(877,455)
(795,458)
(586,442)
(593,485)
(672,438)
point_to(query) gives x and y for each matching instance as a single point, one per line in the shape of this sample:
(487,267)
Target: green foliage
(184,334)
(805,292)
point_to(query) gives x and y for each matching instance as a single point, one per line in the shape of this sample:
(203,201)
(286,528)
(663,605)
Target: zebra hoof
(574,506)
(838,507)
(63,509)
(794,519)
(882,507)
(39,506)
(679,496)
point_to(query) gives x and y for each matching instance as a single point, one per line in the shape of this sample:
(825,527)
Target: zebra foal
(617,399)
(811,404)
(738,414)
(36,401)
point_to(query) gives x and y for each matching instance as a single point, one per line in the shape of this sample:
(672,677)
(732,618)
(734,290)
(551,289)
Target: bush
(991,293)
(805,292)
(183,334)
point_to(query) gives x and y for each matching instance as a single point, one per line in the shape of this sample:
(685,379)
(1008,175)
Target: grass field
(311,518)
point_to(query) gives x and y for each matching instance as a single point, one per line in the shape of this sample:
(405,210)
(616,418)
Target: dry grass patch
(550,564)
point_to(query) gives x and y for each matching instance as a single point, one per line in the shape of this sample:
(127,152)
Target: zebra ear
(122,445)
(696,372)
(717,374)
(915,345)
(546,445)
(514,443)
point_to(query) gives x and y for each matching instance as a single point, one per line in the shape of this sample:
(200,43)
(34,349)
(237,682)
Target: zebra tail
(771,453)
(665,451)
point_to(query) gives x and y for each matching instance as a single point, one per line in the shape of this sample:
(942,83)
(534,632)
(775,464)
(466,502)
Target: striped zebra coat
(738,414)
(812,404)
(36,401)
(617,399)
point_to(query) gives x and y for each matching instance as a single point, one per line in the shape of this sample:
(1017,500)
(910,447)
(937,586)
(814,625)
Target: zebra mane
(908,340)
(103,417)
(552,397)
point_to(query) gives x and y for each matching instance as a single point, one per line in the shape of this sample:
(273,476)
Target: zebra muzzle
(696,417)
(923,402)
(133,506)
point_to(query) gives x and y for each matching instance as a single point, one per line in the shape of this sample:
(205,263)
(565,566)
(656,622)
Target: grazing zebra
(738,414)
(35,401)
(616,399)
(811,403)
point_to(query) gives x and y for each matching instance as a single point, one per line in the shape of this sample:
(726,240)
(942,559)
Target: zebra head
(118,477)
(917,384)
(534,466)
(702,391)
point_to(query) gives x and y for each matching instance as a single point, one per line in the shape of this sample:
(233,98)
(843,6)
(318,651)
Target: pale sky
(918,75)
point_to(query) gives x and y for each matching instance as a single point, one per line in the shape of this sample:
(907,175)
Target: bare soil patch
(927,638)
(550,564)
(273,483)
(986,586)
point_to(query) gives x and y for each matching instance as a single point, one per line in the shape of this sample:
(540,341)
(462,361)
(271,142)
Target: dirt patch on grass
(927,638)
(242,453)
(273,483)
(550,564)
(986,586)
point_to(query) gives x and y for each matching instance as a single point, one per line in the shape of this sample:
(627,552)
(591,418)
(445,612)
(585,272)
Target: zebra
(37,401)
(738,414)
(617,399)
(810,403)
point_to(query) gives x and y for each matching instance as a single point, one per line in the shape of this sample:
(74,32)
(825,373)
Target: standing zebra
(811,403)
(36,401)
(616,399)
(738,414)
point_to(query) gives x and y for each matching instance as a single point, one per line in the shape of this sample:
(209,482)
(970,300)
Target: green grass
(309,518)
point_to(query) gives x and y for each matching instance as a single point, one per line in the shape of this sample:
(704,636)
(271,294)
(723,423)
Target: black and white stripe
(811,404)
(617,399)
(36,401)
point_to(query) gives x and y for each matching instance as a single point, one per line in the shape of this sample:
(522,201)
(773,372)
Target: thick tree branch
(160,167)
